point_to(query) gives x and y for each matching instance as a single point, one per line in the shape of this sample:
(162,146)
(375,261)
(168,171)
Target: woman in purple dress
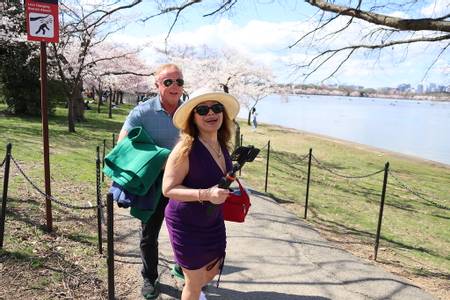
(194,215)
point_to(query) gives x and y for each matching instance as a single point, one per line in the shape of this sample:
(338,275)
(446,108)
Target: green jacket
(135,162)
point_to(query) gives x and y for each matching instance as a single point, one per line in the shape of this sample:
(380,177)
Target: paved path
(273,255)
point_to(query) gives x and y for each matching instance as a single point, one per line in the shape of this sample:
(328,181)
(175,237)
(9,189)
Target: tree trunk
(250,114)
(100,97)
(70,119)
(237,135)
(78,103)
(121,97)
(116,97)
(93,92)
(110,104)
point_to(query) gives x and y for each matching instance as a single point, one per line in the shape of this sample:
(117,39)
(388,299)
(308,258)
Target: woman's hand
(216,195)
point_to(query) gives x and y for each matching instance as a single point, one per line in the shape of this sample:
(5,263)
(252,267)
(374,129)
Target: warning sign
(42,20)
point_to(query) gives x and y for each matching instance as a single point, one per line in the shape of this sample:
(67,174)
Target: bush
(20,84)
(56,93)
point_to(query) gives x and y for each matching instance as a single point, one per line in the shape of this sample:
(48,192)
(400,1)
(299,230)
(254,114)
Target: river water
(418,128)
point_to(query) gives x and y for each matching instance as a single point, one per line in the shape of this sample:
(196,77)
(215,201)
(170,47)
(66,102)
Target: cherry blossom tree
(127,73)
(221,68)
(228,69)
(83,27)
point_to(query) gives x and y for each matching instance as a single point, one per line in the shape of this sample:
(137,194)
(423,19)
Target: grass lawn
(415,235)
(65,263)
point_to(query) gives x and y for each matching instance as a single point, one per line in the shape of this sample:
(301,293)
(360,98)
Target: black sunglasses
(169,82)
(203,110)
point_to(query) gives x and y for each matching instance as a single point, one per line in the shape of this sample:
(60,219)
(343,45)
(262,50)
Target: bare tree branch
(166,10)
(314,30)
(227,5)
(171,9)
(108,13)
(434,61)
(347,25)
(94,62)
(126,73)
(340,65)
(384,35)
(437,24)
(332,52)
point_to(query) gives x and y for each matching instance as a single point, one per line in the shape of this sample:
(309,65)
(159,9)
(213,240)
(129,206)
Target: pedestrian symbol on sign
(41,25)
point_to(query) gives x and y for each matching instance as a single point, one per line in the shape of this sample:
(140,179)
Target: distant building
(419,89)
(431,88)
(441,88)
(404,87)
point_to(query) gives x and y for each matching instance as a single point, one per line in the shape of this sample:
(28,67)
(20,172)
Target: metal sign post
(44,113)
(42,21)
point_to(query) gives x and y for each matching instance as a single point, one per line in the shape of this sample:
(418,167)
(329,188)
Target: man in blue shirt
(155,116)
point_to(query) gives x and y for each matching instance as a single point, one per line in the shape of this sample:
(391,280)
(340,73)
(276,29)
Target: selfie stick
(226,181)
(242,155)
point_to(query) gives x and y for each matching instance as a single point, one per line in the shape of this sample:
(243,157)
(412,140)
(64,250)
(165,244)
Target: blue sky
(262,30)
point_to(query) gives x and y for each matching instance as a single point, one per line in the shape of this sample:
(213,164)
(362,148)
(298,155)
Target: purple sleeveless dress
(197,230)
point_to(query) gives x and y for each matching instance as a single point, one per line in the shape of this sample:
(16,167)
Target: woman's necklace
(217,152)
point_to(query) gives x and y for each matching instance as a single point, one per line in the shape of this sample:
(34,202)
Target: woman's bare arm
(176,170)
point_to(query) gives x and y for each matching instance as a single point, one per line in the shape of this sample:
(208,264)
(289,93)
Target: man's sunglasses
(169,82)
(203,110)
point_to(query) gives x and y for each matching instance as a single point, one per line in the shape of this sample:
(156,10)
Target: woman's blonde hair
(190,132)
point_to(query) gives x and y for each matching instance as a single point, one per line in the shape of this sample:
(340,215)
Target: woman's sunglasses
(203,110)
(169,82)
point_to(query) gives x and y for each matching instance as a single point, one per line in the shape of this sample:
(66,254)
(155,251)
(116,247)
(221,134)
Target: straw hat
(183,112)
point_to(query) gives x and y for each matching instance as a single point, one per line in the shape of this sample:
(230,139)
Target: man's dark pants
(149,242)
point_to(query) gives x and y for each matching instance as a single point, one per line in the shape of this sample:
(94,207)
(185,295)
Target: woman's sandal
(177,271)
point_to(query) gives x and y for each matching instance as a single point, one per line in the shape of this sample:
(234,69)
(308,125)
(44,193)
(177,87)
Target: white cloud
(267,42)
(91,3)
(436,8)
(254,36)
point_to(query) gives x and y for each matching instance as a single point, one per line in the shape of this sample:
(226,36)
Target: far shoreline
(378,151)
(410,97)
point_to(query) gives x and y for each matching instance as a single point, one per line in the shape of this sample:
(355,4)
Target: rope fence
(313,160)
(297,161)
(99,177)
(99,208)
(265,146)
(309,157)
(322,166)
(301,159)
(3,162)
(52,198)
(406,187)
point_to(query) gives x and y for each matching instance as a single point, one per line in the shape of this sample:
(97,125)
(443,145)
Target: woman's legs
(195,280)
(193,283)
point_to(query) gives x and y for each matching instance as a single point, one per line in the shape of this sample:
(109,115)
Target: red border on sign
(33,6)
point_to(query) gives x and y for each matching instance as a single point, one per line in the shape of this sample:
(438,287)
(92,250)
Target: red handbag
(236,206)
